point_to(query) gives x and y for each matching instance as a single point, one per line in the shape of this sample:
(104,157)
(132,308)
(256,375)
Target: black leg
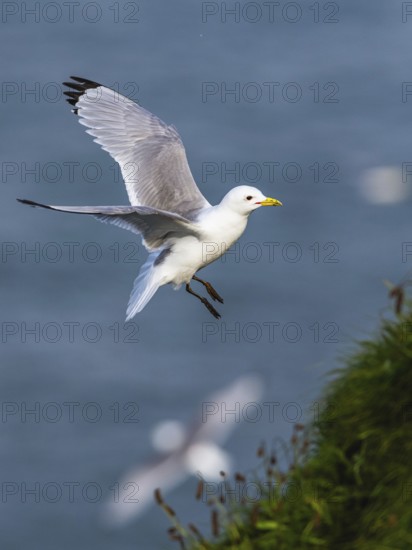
(209,306)
(210,290)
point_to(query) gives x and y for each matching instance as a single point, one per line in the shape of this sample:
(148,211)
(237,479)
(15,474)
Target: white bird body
(190,254)
(215,222)
(184,451)
(181,257)
(181,230)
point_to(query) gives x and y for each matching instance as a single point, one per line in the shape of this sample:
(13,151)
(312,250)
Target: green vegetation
(348,485)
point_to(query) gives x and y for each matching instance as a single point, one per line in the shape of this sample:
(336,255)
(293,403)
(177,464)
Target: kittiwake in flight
(177,224)
(186,451)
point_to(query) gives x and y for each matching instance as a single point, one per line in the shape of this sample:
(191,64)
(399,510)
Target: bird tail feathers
(144,287)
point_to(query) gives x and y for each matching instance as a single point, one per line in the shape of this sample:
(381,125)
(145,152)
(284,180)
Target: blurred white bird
(181,230)
(386,184)
(185,452)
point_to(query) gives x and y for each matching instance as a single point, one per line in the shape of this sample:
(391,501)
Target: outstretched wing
(155,226)
(151,154)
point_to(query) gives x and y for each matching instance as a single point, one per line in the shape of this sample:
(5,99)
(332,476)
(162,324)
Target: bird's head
(244,199)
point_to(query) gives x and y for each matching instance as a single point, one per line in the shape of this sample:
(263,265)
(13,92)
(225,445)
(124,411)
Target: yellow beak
(270,202)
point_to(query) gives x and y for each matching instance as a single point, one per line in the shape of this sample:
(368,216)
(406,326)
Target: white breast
(218,229)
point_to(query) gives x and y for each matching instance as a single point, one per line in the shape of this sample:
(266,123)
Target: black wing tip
(26,201)
(33,203)
(77,89)
(85,81)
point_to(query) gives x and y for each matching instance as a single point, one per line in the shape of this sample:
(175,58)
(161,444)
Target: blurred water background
(319,119)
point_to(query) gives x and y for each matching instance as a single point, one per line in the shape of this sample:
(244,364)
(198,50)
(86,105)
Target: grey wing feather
(151,154)
(155,226)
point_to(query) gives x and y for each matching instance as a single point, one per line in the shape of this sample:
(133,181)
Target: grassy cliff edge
(349,482)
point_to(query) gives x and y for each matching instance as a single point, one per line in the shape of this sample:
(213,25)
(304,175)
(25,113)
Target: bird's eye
(249,198)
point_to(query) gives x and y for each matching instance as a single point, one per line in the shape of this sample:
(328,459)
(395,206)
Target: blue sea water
(298,99)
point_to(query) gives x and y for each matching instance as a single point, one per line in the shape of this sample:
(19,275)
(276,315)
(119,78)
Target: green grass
(349,481)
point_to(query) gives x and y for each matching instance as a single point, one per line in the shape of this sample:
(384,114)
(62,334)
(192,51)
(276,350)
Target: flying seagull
(186,451)
(180,229)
